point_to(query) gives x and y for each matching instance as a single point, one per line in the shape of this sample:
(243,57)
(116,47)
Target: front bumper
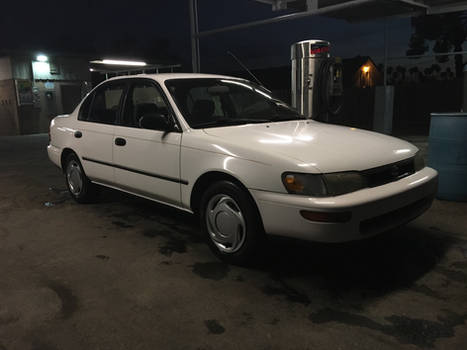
(374,210)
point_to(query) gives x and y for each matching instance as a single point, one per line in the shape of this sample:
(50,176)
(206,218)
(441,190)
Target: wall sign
(49,85)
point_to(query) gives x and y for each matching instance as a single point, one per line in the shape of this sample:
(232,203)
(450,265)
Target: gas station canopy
(361,10)
(350,10)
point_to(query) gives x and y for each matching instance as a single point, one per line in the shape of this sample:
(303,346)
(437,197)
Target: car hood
(325,147)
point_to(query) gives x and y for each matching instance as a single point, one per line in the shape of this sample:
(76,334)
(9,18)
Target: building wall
(49,100)
(5,68)
(9,124)
(21,67)
(31,95)
(53,79)
(66,68)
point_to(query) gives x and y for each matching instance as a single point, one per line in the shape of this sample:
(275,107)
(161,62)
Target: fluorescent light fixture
(42,58)
(91,70)
(41,68)
(121,63)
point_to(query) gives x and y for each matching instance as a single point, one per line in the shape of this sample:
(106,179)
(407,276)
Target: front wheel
(80,187)
(231,223)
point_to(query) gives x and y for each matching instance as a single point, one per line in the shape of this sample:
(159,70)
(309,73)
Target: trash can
(447,153)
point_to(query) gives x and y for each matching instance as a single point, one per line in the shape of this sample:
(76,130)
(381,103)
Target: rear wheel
(231,223)
(80,187)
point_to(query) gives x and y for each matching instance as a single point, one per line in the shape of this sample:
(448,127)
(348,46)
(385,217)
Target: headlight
(344,182)
(304,184)
(333,184)
(418,162)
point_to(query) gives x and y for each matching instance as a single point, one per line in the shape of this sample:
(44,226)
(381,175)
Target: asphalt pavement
(127,273)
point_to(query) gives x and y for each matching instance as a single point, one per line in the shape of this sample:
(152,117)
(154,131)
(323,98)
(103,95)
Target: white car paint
(165,152)
(312,145)
(97,143)
(256,155)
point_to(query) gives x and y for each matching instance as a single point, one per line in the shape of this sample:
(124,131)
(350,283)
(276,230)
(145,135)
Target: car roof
(161,77)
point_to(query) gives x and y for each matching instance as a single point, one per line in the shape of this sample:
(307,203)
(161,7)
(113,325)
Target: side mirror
(156,121)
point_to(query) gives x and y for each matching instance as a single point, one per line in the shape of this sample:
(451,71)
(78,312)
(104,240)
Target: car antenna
(245,68)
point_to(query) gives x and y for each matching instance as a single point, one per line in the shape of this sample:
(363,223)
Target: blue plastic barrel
(447,153)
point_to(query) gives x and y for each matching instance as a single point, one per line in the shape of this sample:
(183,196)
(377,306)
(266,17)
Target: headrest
(145,108)
(202,110)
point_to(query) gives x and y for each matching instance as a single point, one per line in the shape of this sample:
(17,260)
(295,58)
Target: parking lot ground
(127,273)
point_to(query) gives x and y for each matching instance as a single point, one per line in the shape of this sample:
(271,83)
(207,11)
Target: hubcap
(74,177)
(225,223)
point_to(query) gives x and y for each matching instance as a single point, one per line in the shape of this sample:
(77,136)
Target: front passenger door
(147,161)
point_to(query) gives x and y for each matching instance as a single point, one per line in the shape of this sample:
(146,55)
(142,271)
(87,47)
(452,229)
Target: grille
(395,217)
(388,173)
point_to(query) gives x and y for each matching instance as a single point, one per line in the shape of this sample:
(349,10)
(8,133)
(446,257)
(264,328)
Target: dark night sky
(142,29)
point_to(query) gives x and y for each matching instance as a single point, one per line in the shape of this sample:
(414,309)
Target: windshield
(212,102)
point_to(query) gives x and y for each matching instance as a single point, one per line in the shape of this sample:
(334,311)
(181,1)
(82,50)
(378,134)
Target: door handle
(78,134)
(120,142)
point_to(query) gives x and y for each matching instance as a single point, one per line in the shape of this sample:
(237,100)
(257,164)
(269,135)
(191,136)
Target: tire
(81,189)
(231,223)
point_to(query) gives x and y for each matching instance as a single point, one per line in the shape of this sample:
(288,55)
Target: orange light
(366,69)
(290,179)
(293,184)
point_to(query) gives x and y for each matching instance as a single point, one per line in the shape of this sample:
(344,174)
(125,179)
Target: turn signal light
(304,184)
(318,216)
(293,183)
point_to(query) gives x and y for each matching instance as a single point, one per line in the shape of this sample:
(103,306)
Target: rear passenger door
(96,123)
(147,161)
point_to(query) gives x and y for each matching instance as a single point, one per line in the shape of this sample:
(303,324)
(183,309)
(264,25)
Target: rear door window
(106,103)
(144,98)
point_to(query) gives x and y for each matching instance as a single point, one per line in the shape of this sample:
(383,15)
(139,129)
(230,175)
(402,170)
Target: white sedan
(245,162)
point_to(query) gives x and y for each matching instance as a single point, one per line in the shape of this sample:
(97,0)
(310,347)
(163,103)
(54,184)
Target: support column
(465,89)
(385,73)
(195,60)
(384,96)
